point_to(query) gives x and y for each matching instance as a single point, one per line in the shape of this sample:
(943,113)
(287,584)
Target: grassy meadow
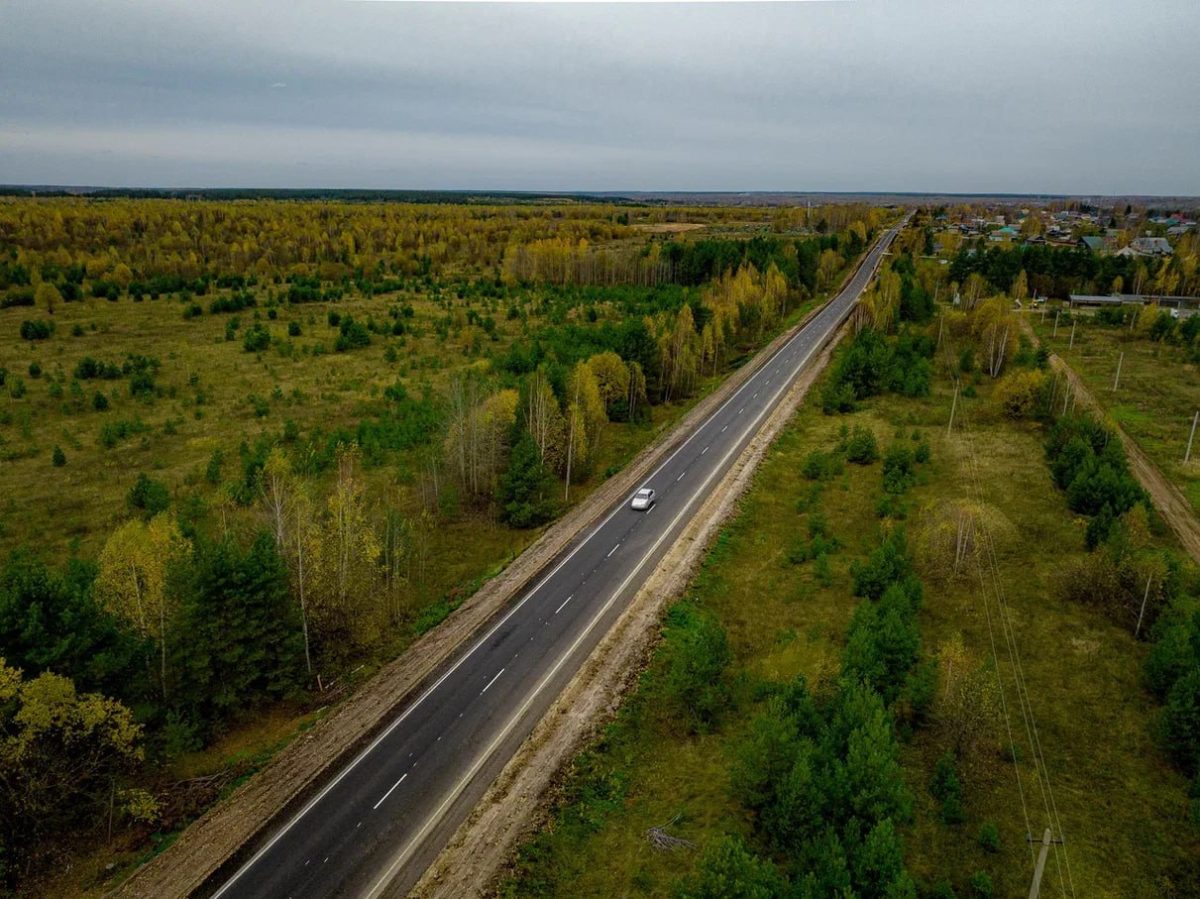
(1122,807)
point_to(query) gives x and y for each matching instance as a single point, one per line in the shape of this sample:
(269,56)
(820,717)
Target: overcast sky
(1019,95)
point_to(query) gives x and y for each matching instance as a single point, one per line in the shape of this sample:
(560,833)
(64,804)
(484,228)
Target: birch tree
(132,581)
(543,418)
(343,552)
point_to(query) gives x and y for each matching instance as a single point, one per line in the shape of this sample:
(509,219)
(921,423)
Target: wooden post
(1056,317)
(1188,454)
(953,406)
(1071,345)
(1117,379)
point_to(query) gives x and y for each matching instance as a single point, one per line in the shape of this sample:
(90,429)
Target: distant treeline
(1052,271)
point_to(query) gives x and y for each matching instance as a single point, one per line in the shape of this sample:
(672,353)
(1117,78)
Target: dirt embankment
(517,803)
(226,834)
(1167,498)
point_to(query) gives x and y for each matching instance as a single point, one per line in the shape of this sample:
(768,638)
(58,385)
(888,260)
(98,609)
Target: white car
(642,500)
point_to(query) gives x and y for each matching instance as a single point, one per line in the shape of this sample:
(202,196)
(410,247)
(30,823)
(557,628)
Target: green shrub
(294,329)
(114,432)
(889,562)
(862,448)
(36,329)
(1181,722)
(989,837)
(981,885)
(148,495)
(946,788)
(820,466)
(898,469)
(58,457)
(882,642)
(728,870)
(212,471)
(256,339)
(99,402)
(696,653)
(837,397)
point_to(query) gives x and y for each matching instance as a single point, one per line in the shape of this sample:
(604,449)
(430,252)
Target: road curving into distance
(383,817)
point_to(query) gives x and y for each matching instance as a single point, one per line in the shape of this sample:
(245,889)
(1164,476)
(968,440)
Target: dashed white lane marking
(358,825)
(388,793)
(492,681)
(611,551)
(724,429)
(680,478)
(755,395)
(703,451)
(560,608)
(307,863)
(741,410)
(326,860)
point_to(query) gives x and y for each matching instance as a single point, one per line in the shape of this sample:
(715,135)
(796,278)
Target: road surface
(379,822)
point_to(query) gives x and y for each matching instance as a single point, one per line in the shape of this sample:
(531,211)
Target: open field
(1121,805)
(163,365)
(1157,396)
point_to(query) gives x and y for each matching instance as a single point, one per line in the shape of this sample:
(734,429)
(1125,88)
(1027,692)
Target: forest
(251,449)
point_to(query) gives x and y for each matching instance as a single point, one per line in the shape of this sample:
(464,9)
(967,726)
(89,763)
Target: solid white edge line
(481,760)
(388,793)
(386,732)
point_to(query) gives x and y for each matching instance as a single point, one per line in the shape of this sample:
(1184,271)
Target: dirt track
(219,839)
(1170,502)
(516,803)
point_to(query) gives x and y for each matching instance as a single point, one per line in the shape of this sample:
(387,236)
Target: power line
(1024,703)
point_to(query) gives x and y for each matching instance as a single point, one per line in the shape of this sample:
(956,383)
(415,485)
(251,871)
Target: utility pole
(1187,455)
(1117,379)
(941,325)
(1057,315)
(1145,597)
(953,406)
(1035,888)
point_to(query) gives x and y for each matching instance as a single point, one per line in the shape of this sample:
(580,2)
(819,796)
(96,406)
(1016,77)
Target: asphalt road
(381,820)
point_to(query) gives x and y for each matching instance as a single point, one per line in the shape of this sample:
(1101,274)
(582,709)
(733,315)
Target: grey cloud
(1021,96)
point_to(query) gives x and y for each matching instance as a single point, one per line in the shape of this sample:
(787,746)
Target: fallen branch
(663,841)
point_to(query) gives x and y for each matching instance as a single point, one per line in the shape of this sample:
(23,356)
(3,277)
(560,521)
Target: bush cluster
(872,365)
(1088,462)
